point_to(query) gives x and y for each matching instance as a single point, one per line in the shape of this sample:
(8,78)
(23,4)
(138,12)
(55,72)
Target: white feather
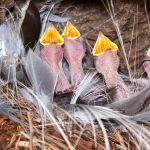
(132,104)
(39,74)
(99,113)
(89,89)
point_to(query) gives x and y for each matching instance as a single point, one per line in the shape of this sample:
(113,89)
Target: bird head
(103,44)
(51,36)
(146,54)
(146,61)
(70,31)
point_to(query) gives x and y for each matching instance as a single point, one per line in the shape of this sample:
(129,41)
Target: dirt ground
(9,132)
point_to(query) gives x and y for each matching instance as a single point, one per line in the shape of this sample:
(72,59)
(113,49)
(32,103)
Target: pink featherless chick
(74,53)
(146,62)
(107,63)
(52,54)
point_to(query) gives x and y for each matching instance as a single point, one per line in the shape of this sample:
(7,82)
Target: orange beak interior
(70,31)
(102,44)
(148,52)
(51,36)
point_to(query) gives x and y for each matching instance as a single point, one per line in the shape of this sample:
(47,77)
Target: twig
(53,139)
(50,115)
(50,145)
(31,129)
(27,136)
(80,145)
(12,141)
(147,15)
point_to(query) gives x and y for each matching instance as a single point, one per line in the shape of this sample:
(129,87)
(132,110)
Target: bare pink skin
(146,66)
(107,64)
(53,55)
(74,53)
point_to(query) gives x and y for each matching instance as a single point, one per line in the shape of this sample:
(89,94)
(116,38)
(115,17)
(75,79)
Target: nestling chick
(146,61)
(107,63)
(52,53)
(73,53)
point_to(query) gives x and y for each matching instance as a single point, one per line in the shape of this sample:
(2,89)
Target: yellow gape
(148,52)
(70,31)
(51,36)
(102,44)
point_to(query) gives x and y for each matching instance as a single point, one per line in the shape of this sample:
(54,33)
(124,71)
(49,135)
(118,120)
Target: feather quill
(46,113)
(133,104)
(89,113)
(11,48)
(55,18)
(89,90)
(39,74)
(143,117)
(10,45)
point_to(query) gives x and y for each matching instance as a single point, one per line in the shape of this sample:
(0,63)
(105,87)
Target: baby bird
(52,53)
(146,62)
(107,63)
(73,53)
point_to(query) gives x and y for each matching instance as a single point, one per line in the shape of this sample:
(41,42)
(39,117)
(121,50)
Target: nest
(58,124)
(79,133)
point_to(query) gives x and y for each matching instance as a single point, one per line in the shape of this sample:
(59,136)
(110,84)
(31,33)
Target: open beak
(51,36)
(102,44)
(148,52)
(70,31)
